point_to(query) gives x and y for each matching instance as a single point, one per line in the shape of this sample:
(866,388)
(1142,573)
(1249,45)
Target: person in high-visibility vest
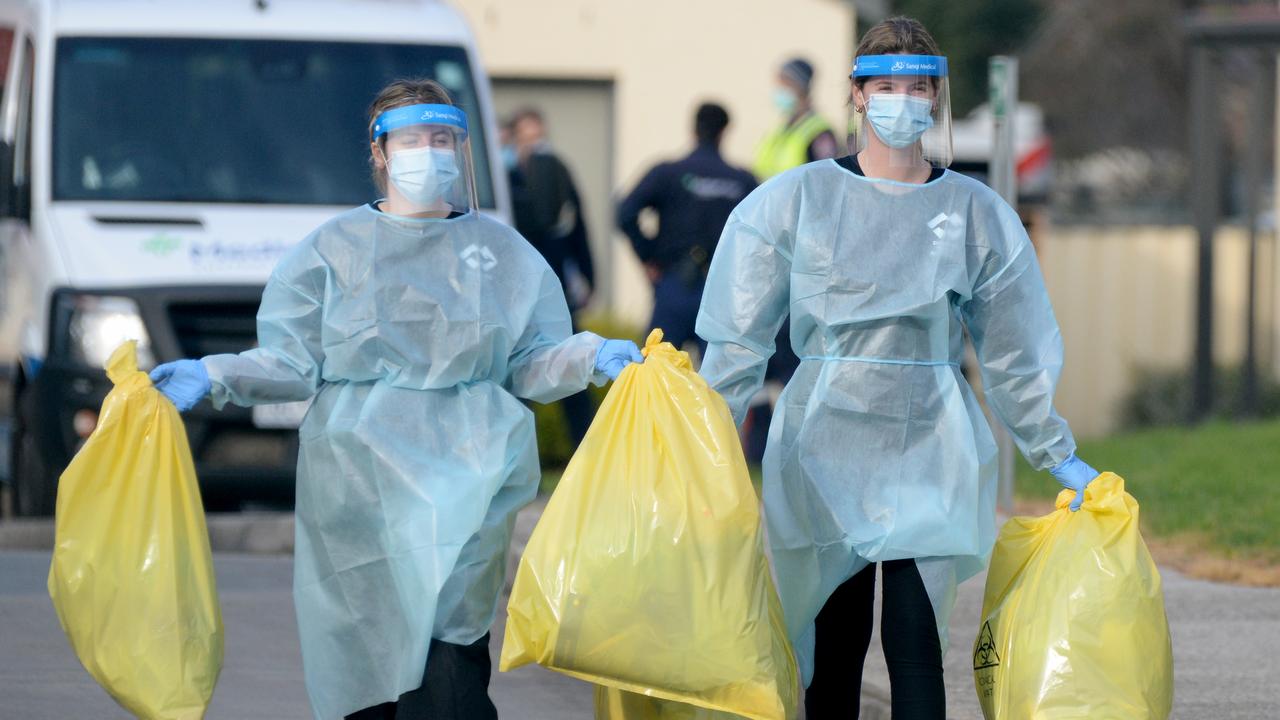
(803,135)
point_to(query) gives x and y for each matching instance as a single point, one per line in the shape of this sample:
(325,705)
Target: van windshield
(236,121)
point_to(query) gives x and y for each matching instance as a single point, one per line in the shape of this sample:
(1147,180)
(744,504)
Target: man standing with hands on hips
(692,197)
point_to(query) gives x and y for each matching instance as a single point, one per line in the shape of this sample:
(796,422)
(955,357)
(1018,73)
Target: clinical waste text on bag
(1073,621)
(646,573)
(132,576)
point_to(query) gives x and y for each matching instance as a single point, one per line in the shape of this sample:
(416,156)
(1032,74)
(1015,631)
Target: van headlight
(100,323)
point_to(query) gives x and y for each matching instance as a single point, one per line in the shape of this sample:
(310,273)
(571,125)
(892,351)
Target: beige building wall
(663,58)
(1125,298)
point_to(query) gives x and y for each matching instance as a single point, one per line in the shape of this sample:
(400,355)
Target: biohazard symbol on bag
(984,650)
(1073,616)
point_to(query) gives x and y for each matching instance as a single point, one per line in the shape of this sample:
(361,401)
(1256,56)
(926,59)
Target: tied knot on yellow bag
(646,573)
(1104,495)
(654,346)
(1073,619)
(132,575)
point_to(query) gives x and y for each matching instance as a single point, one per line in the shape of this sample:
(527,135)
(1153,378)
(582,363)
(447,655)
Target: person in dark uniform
(692,198)
(548,213)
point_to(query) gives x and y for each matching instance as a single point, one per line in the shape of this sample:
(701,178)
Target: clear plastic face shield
(902,103)
(427,156)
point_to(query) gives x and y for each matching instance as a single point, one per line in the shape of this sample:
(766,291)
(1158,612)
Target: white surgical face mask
(898,119)
(423,175)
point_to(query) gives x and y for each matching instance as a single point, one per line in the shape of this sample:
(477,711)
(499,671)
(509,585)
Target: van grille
(213,328)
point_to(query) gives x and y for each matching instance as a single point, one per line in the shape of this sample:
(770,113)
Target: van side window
(22,140)
(8,199)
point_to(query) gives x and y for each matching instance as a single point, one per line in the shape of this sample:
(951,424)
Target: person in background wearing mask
(803,136)
(692,197)
(880,453)
(414,323)
(548,213)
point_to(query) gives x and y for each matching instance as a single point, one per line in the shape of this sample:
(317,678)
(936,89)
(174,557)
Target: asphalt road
(262,674)
(1225,648)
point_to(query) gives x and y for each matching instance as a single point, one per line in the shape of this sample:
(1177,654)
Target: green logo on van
(161,245)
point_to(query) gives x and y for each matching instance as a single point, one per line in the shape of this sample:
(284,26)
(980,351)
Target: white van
(156,159)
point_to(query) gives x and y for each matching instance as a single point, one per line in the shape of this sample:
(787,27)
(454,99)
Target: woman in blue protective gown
(879,453)
(416,324)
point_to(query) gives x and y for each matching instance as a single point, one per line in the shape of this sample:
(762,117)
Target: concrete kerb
(263,533)
(23,534)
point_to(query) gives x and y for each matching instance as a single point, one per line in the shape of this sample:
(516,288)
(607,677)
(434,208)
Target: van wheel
(35,490)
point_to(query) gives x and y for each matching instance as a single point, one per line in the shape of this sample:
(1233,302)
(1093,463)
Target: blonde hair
(398,93)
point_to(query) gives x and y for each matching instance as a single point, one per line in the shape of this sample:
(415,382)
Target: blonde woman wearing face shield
(879,453)
(416,324)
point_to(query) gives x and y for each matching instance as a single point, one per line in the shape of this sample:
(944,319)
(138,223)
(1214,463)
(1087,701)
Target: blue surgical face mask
(423,175)
(898,119)
(785,100)
(510,157)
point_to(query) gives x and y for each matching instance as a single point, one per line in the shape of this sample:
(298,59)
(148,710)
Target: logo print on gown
(480,258)
(939,224)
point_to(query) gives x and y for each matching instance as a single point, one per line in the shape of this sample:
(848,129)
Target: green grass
(1217,483)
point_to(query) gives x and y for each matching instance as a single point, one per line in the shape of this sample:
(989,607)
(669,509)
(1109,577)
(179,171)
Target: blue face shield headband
(423,114)
(879,65)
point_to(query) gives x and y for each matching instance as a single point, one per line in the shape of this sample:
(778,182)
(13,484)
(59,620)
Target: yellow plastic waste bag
(647,571)
(1073,617)
(132,576)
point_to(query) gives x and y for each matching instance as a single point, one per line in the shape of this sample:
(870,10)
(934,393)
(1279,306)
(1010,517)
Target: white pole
(1003,78)
(1274,231)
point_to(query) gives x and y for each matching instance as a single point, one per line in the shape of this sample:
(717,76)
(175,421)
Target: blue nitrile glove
(184,382)
(614,355)
(1074,474)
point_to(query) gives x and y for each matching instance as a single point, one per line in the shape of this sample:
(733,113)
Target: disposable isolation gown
(415,338)
(878,448)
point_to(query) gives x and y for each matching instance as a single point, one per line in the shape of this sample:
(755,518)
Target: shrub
(555,447)
(1162,397)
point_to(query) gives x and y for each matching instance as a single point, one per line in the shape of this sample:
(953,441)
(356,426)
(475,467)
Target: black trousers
(908,633)
(455,686)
